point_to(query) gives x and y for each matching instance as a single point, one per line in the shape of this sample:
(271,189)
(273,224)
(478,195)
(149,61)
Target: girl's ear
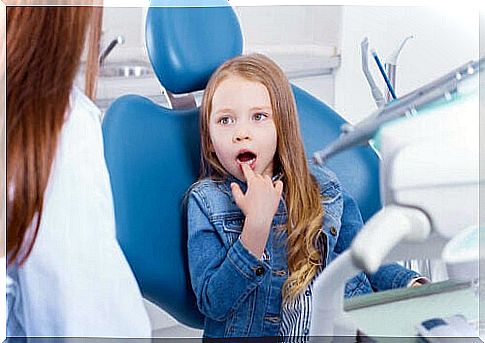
(210,147)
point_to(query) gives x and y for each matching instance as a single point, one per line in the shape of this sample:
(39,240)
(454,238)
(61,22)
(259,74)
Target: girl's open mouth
(247,157)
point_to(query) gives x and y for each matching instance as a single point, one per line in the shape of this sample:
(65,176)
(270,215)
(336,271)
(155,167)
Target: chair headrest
(187,40)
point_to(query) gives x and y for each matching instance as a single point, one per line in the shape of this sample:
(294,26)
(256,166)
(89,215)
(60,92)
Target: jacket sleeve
(221,279)
(391,276)
(387,276)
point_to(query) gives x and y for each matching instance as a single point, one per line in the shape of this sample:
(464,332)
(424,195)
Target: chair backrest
(153,156)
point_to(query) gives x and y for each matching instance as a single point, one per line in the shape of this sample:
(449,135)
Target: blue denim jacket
(239,294)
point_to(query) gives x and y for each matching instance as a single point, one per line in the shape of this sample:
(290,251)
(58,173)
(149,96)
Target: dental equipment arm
(429,181)
(376,92)
(411,102)
(367,252)
(427,163)
(392,59)
(391,65)
(384,231)
(328,295)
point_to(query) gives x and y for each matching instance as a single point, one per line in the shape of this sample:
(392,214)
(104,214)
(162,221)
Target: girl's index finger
(247,171)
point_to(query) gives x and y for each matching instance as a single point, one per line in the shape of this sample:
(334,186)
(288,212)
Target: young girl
(262,222)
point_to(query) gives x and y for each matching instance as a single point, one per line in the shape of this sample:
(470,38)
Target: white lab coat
(76,282)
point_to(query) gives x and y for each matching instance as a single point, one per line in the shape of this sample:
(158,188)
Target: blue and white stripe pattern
(296,315)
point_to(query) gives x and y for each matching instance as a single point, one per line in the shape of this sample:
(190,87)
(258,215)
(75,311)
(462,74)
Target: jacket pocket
(330,197)
(232,228)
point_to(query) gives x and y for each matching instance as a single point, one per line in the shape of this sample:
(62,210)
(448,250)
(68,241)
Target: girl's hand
(259,205)
(262,196)
(419,281)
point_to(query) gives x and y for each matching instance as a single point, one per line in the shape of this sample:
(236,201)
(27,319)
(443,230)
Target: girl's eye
(260,116)
(225,121)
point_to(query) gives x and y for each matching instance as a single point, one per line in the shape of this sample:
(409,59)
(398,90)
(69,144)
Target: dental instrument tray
(396,313)
(393,295)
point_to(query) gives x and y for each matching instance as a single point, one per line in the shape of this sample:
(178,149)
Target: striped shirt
(295,323)
(296,315)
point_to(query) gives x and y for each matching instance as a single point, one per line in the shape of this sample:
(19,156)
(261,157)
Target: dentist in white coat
(66,274)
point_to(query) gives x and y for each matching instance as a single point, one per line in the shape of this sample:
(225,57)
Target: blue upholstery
(152,152)
(357,168)
(153,157)
(184,57)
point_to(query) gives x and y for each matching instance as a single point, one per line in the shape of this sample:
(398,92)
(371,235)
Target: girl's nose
(241,135)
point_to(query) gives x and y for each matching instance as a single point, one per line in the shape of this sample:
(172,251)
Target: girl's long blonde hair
(302,196)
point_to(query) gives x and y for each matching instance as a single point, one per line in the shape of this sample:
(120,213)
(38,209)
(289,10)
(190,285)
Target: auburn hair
(301,192)
(44,48)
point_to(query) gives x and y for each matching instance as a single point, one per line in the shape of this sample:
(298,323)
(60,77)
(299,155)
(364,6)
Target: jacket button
(259,271)
(333,231)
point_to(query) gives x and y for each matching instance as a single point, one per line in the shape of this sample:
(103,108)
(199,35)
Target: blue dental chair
(153,156)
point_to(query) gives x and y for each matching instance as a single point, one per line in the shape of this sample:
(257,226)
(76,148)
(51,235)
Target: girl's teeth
(249,162)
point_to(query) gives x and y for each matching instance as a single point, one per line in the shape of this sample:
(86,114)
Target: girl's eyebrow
(261,108)
(223,110)
(254,108)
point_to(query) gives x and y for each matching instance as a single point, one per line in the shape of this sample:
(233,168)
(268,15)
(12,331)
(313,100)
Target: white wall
(297,38)
(315,27)
(287,25)
(303,40)
(445,38)
(291,25)
(129,23)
